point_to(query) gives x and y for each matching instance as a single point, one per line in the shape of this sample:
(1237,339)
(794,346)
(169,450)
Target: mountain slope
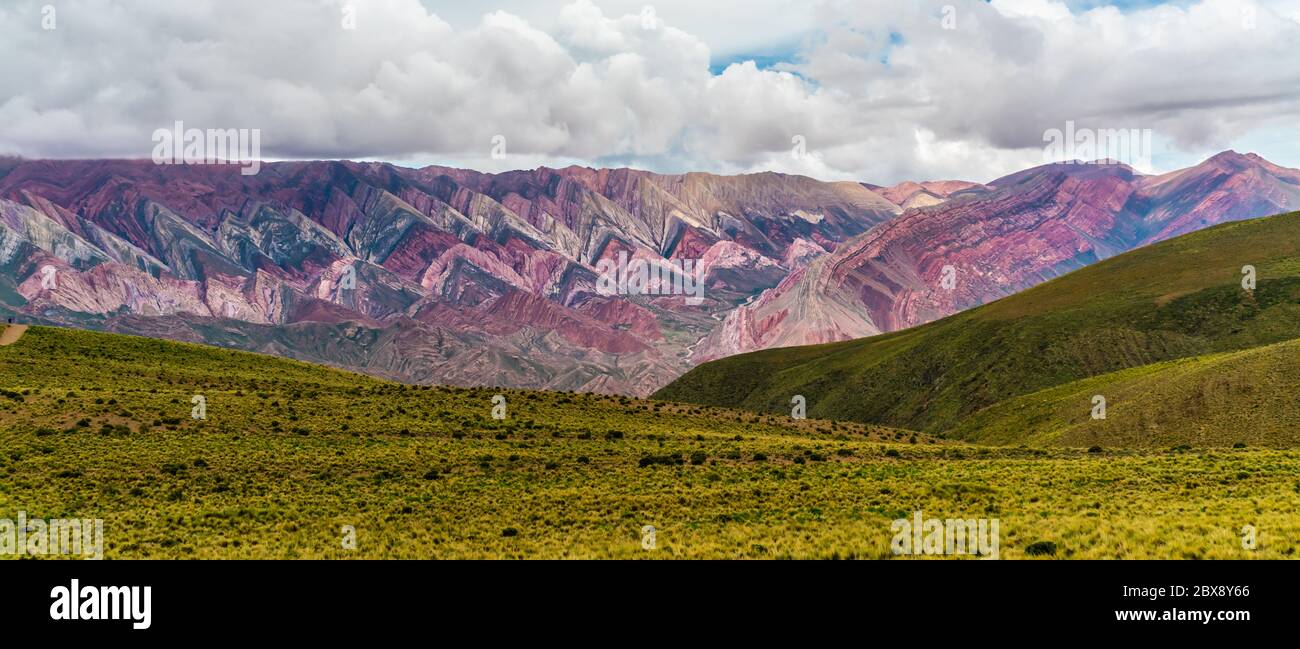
(1175,299)
(1246,397)
(496,272)
(978,246)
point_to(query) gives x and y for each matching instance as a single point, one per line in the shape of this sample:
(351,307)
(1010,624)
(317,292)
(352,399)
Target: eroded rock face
(1016,232)
(431,275)
(455,276)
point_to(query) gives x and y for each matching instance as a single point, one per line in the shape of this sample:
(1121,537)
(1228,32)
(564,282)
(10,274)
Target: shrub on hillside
(1041,548)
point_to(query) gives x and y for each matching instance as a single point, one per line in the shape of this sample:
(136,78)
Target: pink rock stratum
(454,276)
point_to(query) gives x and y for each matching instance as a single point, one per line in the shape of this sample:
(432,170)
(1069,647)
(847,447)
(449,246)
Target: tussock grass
(290,453)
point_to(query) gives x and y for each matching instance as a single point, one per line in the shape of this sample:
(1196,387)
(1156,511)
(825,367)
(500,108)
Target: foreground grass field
(99,426)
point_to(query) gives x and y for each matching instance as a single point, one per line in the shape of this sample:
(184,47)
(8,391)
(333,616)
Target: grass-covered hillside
(1178,299)
(100,426)
(1245,397)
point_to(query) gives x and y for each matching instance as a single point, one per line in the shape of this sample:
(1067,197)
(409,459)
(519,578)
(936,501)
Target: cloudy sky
(874,90)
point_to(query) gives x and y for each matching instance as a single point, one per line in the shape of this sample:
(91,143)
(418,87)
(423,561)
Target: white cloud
(880,92)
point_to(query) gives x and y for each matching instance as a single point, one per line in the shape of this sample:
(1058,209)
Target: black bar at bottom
(214,600)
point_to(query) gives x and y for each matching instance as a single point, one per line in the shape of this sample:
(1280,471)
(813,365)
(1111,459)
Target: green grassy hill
(1245,397)
(99,426)
(1176,299)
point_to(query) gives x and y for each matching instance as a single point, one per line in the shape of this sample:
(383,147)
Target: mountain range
(440,275)
(996,240)
(1190,341)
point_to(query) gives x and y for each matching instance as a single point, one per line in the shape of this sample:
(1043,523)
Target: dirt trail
(11,334)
